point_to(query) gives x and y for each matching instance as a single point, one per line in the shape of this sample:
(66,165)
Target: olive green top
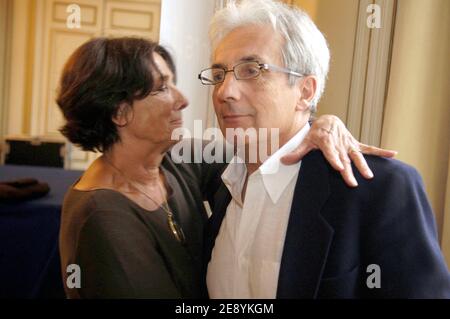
(126,251)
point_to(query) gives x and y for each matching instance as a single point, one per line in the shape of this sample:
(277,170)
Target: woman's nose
(182,101)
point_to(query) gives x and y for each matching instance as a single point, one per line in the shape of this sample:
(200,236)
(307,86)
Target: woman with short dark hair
(133,222)
(99,75)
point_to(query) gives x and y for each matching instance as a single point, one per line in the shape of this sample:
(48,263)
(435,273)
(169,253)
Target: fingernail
(369,173)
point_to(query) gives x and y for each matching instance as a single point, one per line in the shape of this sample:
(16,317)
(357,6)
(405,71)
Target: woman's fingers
(331,153)
(296,155)
(361,164)
(347,172)
(372,150)
(327,146)
(339,147)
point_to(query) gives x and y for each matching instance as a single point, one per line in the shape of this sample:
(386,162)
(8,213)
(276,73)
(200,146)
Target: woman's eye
(163,88)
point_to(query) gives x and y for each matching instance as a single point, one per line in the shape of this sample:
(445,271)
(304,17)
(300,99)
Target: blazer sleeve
(403,238)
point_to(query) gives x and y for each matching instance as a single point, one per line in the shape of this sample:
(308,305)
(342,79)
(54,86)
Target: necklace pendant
(175,228)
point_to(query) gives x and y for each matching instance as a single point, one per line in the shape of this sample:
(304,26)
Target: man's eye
(217,76)
(249,71)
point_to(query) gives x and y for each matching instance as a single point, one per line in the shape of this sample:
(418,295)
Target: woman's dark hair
(100,75)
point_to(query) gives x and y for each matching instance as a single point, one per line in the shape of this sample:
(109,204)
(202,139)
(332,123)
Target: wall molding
(5,65)
(359,71)
(370,73)
(38,69)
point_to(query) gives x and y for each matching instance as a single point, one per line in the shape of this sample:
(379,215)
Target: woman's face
(157,115)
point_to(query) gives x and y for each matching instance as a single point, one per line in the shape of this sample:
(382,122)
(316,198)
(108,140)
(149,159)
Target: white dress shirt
(246,258)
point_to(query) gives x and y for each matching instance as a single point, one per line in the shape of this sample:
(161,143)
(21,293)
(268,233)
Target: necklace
(176,229)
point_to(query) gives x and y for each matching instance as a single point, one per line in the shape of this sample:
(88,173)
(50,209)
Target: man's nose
(229,88)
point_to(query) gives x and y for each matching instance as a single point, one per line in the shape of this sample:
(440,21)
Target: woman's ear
(121,118)
(308,86)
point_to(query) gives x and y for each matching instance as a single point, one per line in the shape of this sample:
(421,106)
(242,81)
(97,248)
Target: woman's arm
(329,134)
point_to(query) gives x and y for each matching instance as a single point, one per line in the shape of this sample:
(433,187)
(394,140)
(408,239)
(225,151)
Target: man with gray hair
(298,231)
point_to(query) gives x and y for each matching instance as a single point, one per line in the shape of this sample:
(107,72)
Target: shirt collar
(275,175)
(234,178)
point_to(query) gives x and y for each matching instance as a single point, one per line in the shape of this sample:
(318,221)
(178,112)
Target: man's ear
(307,86)
(121,118)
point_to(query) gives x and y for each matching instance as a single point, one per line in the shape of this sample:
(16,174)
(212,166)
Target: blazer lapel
(308,235)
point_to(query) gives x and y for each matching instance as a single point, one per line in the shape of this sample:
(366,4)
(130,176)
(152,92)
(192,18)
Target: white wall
(184,31)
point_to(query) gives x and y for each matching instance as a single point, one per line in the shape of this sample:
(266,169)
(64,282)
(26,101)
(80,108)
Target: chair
(33,151)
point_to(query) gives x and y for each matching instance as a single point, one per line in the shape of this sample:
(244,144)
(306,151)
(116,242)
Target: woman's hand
(329,134)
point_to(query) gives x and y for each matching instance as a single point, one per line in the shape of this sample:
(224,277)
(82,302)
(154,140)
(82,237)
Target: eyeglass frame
(261,66)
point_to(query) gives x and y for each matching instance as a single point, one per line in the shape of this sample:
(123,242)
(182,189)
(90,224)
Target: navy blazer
(336,232)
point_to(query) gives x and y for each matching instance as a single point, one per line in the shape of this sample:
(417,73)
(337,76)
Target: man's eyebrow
(218,65)
(248,58)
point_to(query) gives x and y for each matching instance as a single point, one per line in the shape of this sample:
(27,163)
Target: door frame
(370,72)
(5,57)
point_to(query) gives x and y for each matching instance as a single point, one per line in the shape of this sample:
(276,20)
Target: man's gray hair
(305,51)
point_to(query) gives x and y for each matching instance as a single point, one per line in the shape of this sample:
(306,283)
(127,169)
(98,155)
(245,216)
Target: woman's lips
(177,122)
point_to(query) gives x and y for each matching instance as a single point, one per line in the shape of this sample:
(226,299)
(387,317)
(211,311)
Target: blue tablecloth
(29,253)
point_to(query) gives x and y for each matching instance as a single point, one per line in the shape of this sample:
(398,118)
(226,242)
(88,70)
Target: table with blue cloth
(29,251)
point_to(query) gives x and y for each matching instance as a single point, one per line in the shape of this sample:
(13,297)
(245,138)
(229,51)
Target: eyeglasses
(242,71)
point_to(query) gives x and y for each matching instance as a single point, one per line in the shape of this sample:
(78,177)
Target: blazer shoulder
(383,168)
(390,170)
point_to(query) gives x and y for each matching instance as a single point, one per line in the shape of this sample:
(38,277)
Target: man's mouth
(234,117)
